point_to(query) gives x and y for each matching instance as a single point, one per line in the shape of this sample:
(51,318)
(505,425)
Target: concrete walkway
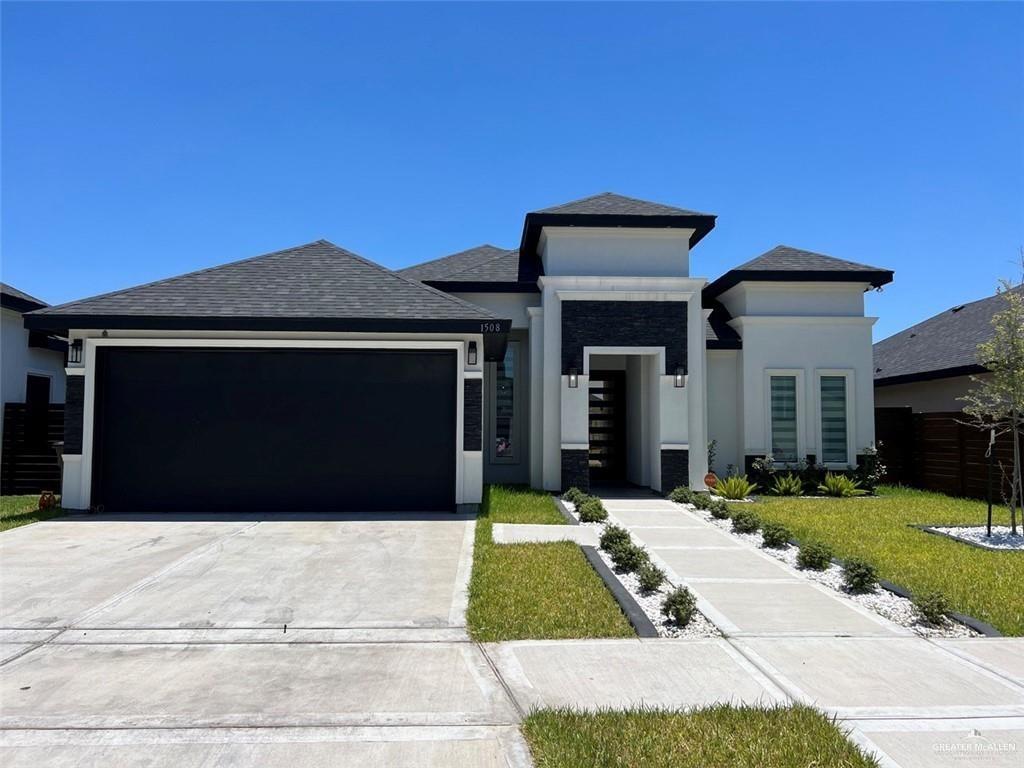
(914,701)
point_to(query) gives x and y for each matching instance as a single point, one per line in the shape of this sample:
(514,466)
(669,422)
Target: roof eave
(63,323)
(939,373)
(876,278)
(19,304)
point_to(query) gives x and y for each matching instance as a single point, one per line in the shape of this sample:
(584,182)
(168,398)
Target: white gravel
(897,609)
(1001,537)
(699,626)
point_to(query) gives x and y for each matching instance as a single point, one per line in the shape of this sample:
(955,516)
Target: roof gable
(611,204)
(303,287)
(943,345)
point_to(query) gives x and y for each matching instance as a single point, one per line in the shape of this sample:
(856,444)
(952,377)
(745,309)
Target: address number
(490,327)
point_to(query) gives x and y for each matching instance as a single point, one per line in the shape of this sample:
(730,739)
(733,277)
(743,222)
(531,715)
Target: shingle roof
(611,204)
(717,331)
(783,262)
(14,299)
(943,345)
(309,285)
(486,263)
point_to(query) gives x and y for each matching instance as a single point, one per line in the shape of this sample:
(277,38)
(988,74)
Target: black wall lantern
(574,378)
(75,351)
(471,355)
(680,378)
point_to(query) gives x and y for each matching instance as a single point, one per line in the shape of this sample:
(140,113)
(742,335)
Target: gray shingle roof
(946,344)
(315,281)
(20,298)
(484,263)
(611,204)
(783,262)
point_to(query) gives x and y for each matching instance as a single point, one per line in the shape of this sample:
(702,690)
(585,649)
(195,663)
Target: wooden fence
(30,463)
(934,451)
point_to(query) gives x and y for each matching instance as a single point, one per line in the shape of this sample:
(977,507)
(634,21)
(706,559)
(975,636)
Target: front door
(607,414)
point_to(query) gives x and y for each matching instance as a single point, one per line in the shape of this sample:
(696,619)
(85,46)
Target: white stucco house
(594,353)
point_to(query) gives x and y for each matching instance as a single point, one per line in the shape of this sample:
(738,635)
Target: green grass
(982,584)
(541,591)
(717,737)
(22,510)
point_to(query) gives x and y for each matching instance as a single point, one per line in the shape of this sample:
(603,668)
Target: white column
(536,420)
(697,392)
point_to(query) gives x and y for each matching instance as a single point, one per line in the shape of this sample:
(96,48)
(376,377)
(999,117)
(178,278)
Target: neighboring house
(32,377)
(311,378)
(928,367)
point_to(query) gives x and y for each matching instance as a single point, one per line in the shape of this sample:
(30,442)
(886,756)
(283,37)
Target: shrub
(787,485)
(932,607)
(718,509)
(591,510)
(859,576)
(871,470)
(814,556)
(629,557)
(613,538)
(734,487)
(745,521)
(682,495)
(650,577)
(679,605)
(840,486)
(574,495)
(775,535)
(701,501)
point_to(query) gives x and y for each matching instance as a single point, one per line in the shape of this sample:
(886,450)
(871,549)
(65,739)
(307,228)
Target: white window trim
(851,421)
(801,442)
(517,410)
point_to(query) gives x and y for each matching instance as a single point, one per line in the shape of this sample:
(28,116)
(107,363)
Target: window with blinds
(503,425)
(783,415)
(833,420)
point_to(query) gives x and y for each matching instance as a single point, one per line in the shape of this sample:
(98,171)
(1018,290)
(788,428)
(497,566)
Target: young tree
(997,399)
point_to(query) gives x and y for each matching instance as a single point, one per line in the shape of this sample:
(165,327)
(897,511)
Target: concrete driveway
(264,640)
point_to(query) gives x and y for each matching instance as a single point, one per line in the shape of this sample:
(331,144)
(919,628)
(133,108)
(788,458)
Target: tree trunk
(1015,484)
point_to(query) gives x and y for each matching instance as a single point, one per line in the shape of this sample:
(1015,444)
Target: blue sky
(145,140)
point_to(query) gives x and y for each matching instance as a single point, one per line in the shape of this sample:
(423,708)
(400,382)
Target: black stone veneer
(624,324)
(575,469)
(74,414)
(675,469)
(472,414)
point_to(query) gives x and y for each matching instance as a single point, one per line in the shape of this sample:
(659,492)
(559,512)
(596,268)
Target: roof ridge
(447,256)
(187,274)
(422,286)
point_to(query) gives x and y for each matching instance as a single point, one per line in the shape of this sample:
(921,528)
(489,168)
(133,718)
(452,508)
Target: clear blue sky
(145,140)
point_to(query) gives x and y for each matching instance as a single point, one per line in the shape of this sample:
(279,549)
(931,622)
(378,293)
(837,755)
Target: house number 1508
(490,328)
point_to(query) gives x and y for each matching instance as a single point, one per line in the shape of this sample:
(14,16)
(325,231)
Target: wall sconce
(574,378)
(75,352)
(471,355)
(679,380)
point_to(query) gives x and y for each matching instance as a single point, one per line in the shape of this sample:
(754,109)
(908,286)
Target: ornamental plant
(814,556)
(932,607)
(574,495)
(718,509)
(734,487)
(775,535)
(629,557)
(682,495)
(679,605)
(650,577)
(613,538)
(787,485)
(745,521)
(591,510)
(840,486)
(859,576)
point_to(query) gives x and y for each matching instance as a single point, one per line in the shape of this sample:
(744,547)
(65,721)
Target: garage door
(243,430)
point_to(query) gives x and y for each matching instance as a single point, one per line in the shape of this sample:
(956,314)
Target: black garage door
(225,430)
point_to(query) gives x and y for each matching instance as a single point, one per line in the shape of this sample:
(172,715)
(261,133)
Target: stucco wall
(795,299)
(17,359)
(725,408)
(507,306)
(925,396)
(616,252)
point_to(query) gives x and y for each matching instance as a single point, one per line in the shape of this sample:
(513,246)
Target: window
(783,418)
(834,448)
(504,428)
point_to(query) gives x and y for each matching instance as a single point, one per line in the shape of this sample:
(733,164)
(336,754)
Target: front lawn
(716,737)
(22,510)
(538,591)
(982,584)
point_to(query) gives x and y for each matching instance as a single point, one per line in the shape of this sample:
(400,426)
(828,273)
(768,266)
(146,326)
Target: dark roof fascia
(19,304)
(941,373)
(481,286)
(63,322)
(724,344)
(535,222)
(876,278)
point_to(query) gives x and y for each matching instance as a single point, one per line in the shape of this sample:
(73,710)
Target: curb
(564,510)
(634,613)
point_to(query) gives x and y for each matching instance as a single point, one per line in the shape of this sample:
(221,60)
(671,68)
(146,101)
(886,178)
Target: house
(928,367)
(312,378)
(31,381)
